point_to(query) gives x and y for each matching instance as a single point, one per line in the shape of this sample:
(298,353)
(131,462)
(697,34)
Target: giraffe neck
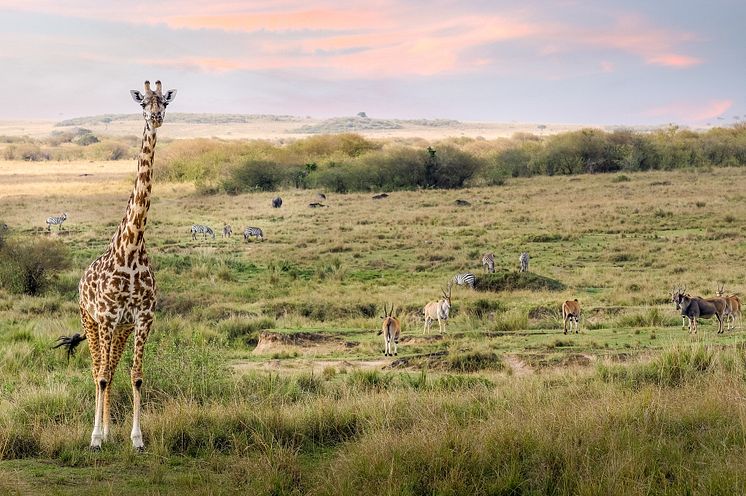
(130,235)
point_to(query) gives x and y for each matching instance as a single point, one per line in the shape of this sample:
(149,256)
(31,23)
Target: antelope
(391,330)
(570,313)
(732,307)
(693,307)
(438,310)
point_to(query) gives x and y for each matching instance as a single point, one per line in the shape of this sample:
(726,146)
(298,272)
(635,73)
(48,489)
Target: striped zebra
(488,262)
(204,230)
(252,231)
(523,260)
(227,231)
(465,278)
(56,221)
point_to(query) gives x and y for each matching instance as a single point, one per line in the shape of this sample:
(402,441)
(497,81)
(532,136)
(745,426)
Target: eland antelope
(438,310)
(676,295)
(693,307)
(570,314)
(732,307)
(391,329)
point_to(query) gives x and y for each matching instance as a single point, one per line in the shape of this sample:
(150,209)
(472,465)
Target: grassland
(265,374)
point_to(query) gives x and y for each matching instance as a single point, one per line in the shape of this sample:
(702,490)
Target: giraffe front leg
(142,329)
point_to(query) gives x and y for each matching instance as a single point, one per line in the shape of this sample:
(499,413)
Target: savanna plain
(265,374)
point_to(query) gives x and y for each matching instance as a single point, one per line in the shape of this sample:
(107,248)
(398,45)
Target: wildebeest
(571,313)
(391,329)
(693,308)
(438,310)
(276,202)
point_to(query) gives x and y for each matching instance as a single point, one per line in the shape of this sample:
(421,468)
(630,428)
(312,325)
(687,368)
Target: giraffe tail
(70,343)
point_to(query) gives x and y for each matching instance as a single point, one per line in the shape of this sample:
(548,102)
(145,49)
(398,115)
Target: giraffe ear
(137,96)
(169,97)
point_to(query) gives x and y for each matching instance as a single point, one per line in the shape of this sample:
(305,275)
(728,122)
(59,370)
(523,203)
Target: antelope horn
(392,309)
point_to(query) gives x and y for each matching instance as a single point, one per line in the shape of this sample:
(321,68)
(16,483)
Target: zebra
(56,221)
(523,260)
(276,202)
(465,278)
(227,230)
(488,262)
(204,230)
(252,231)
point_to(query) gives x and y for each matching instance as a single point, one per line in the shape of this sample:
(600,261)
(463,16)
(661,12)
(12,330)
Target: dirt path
(304,365)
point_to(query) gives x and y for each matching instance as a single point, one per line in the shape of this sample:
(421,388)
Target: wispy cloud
(691,111)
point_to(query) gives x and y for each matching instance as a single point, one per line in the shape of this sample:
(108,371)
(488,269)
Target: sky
(635,62)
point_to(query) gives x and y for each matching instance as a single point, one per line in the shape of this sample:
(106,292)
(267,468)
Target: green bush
(27,267)
(513,281)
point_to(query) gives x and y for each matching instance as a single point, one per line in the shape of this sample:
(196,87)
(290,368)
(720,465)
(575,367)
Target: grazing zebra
(523,260)
(488,262)
(252,231)
(276,202)
(465,278)
(227,231)
(56,221)
(204,230)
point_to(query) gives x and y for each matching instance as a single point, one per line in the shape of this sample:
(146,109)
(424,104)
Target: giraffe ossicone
(118,291)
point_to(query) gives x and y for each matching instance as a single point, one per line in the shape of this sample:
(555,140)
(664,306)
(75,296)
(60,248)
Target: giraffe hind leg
(117,348)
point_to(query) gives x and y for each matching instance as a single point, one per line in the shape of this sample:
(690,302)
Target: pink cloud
(385,38)
(691,112)
(674,60)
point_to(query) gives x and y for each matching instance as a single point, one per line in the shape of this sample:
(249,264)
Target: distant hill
(182,117)
(353,124)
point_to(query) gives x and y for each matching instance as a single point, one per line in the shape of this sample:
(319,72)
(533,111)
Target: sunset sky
(600,62)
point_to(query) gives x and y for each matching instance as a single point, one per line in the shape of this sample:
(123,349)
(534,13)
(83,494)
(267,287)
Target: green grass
(265,373)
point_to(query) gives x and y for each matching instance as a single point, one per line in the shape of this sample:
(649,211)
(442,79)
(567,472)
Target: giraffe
(117,291)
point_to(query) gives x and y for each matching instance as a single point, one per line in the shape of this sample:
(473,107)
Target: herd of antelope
(726,308)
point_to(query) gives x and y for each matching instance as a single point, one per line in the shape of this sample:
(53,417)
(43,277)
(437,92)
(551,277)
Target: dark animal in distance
(316,205)
(321,196)
(381,196)
(462,203)
(276,202)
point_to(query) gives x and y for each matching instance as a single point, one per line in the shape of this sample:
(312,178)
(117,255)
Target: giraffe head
(153,103)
